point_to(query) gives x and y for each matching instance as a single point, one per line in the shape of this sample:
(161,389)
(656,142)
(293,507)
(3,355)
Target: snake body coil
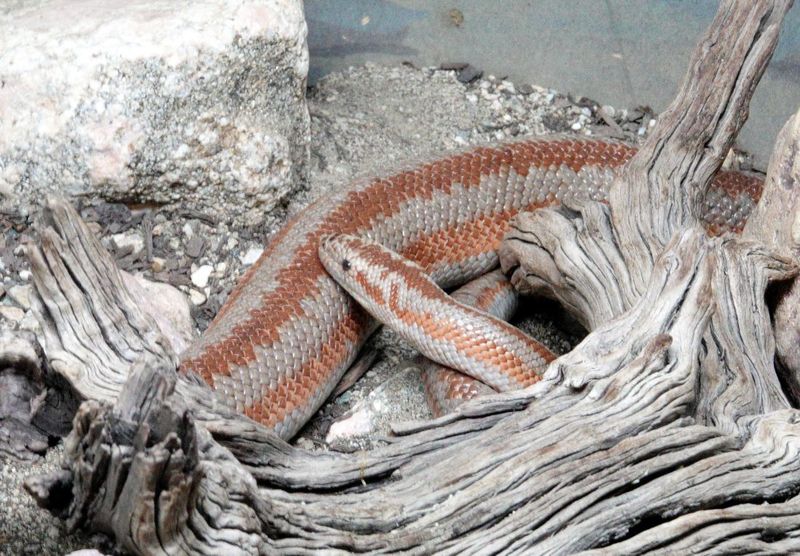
(288,332)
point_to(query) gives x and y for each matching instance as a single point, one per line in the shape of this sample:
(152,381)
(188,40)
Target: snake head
(365,269)
(337,252)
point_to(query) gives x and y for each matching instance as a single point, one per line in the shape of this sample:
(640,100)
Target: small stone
(187,230)
(158,264)
(131,242)
(53,532)
(19,250)
(194,247)
(251,256)
(305,443)
(201,275)
(197,298)
(607,111)
(453,66)
(11,313)
(221,267)
(2,291)
(25,275)
(21,295)
(576,126)
(525,89)
(469,74)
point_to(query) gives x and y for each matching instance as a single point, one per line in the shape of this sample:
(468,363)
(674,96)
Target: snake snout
(335,253)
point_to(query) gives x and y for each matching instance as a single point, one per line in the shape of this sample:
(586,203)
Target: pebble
(195,246)
(576,126)
(608,110)
(9,312)
(525,89)
(469,74)
(251,256)
(25,275)
(187,230)
(201,275)
(158,264)
(197,297)
(453,66)
(128,241)
(2,291)
(21,295)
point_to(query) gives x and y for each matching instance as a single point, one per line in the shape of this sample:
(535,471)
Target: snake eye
(345,265)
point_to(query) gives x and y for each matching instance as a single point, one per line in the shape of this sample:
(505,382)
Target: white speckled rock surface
(151,101)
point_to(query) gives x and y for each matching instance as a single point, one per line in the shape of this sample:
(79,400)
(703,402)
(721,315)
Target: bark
(666,430)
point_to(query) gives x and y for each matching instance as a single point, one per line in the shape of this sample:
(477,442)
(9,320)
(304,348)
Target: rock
(167,306)
(155,102)
(11,313)
(525,89)
(251,256)
(469,74)
(197,297)
(379,410)
(194,247)
(25,275)
(2,291)
(21,295)
(158,264)
(201,275)
(128,242)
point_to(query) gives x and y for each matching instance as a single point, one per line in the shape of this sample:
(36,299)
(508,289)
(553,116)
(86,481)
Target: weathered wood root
(36,404)
(93,328)
(579,467)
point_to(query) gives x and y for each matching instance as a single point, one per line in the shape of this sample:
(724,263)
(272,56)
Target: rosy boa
(288,331)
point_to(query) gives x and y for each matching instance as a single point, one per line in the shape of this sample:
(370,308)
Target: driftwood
(37,405)
(667,430)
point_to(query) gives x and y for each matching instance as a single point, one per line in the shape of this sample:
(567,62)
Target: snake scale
(288,331)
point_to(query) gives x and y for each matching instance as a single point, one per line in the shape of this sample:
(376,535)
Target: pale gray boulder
(145,101)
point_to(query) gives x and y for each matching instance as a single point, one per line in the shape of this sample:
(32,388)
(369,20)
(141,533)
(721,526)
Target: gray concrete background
(618,52)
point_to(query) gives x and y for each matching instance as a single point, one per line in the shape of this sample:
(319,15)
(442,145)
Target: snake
(288,332)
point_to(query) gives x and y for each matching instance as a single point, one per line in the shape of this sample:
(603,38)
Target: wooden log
(661,191)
